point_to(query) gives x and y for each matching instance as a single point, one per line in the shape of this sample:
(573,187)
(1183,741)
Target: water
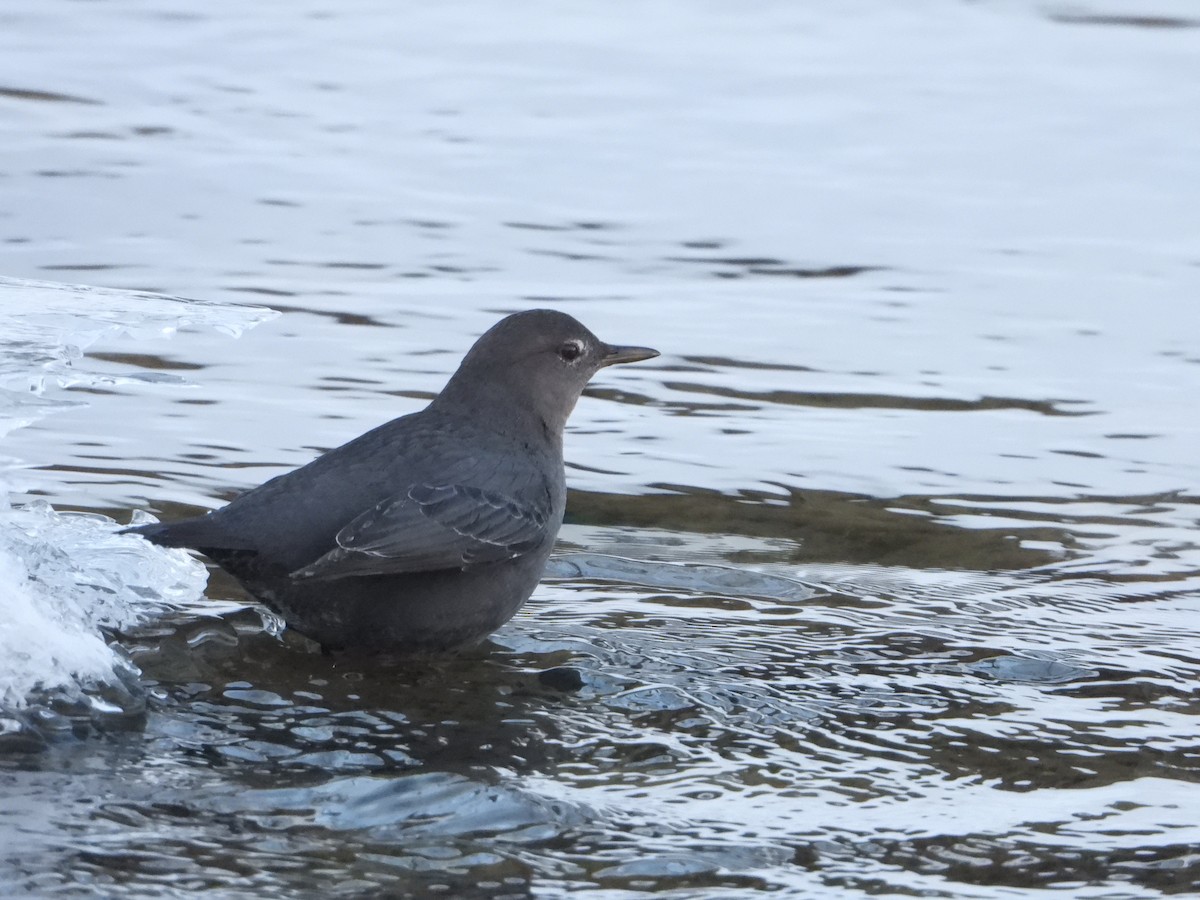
(882,580)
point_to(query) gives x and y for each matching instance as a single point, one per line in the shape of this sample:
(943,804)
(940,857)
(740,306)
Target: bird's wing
(431,527)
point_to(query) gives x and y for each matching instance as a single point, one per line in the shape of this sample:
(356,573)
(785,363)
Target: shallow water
(881,580)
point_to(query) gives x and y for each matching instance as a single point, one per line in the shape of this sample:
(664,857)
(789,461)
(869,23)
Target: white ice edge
(67,579)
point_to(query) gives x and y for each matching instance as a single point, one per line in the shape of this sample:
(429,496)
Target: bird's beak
(615,355)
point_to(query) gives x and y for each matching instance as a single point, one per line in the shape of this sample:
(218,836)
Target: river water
(882,580)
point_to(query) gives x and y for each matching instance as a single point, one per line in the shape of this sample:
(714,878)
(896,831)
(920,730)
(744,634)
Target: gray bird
(432,530)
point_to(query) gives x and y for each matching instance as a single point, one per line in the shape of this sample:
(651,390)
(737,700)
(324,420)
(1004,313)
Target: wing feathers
(431,527)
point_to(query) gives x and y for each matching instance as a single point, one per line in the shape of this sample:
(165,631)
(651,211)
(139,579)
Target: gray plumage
(431,530)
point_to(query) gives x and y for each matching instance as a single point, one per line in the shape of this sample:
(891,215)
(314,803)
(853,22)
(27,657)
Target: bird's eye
(571,351)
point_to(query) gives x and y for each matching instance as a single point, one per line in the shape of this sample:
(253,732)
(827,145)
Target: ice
(45,327)
(69,581)
(69,578)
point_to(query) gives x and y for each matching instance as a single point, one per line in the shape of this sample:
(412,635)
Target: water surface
(881,580)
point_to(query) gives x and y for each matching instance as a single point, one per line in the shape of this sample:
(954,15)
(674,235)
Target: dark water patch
(328,264)
(990,861)
(73,173)
(346,379)
(702,410)
(1104,509)
(572,256)
(825,525)
(431,224)
(143,360)
(85,267)
(455,269)
(45,96)
(93,136)
(724,362)
(566,226)
(252,701)
(627,397)
(1124,21)
(765,265)
(579,467)
(726,581)
(883,401)
(261,291)
(340,316)
(423,396)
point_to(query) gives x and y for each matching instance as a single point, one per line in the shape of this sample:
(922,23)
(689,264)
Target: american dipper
(430,531)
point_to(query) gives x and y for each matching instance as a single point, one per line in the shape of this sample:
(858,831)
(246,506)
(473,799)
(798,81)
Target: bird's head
(536,363)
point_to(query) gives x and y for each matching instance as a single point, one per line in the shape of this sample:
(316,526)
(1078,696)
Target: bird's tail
(196,533)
